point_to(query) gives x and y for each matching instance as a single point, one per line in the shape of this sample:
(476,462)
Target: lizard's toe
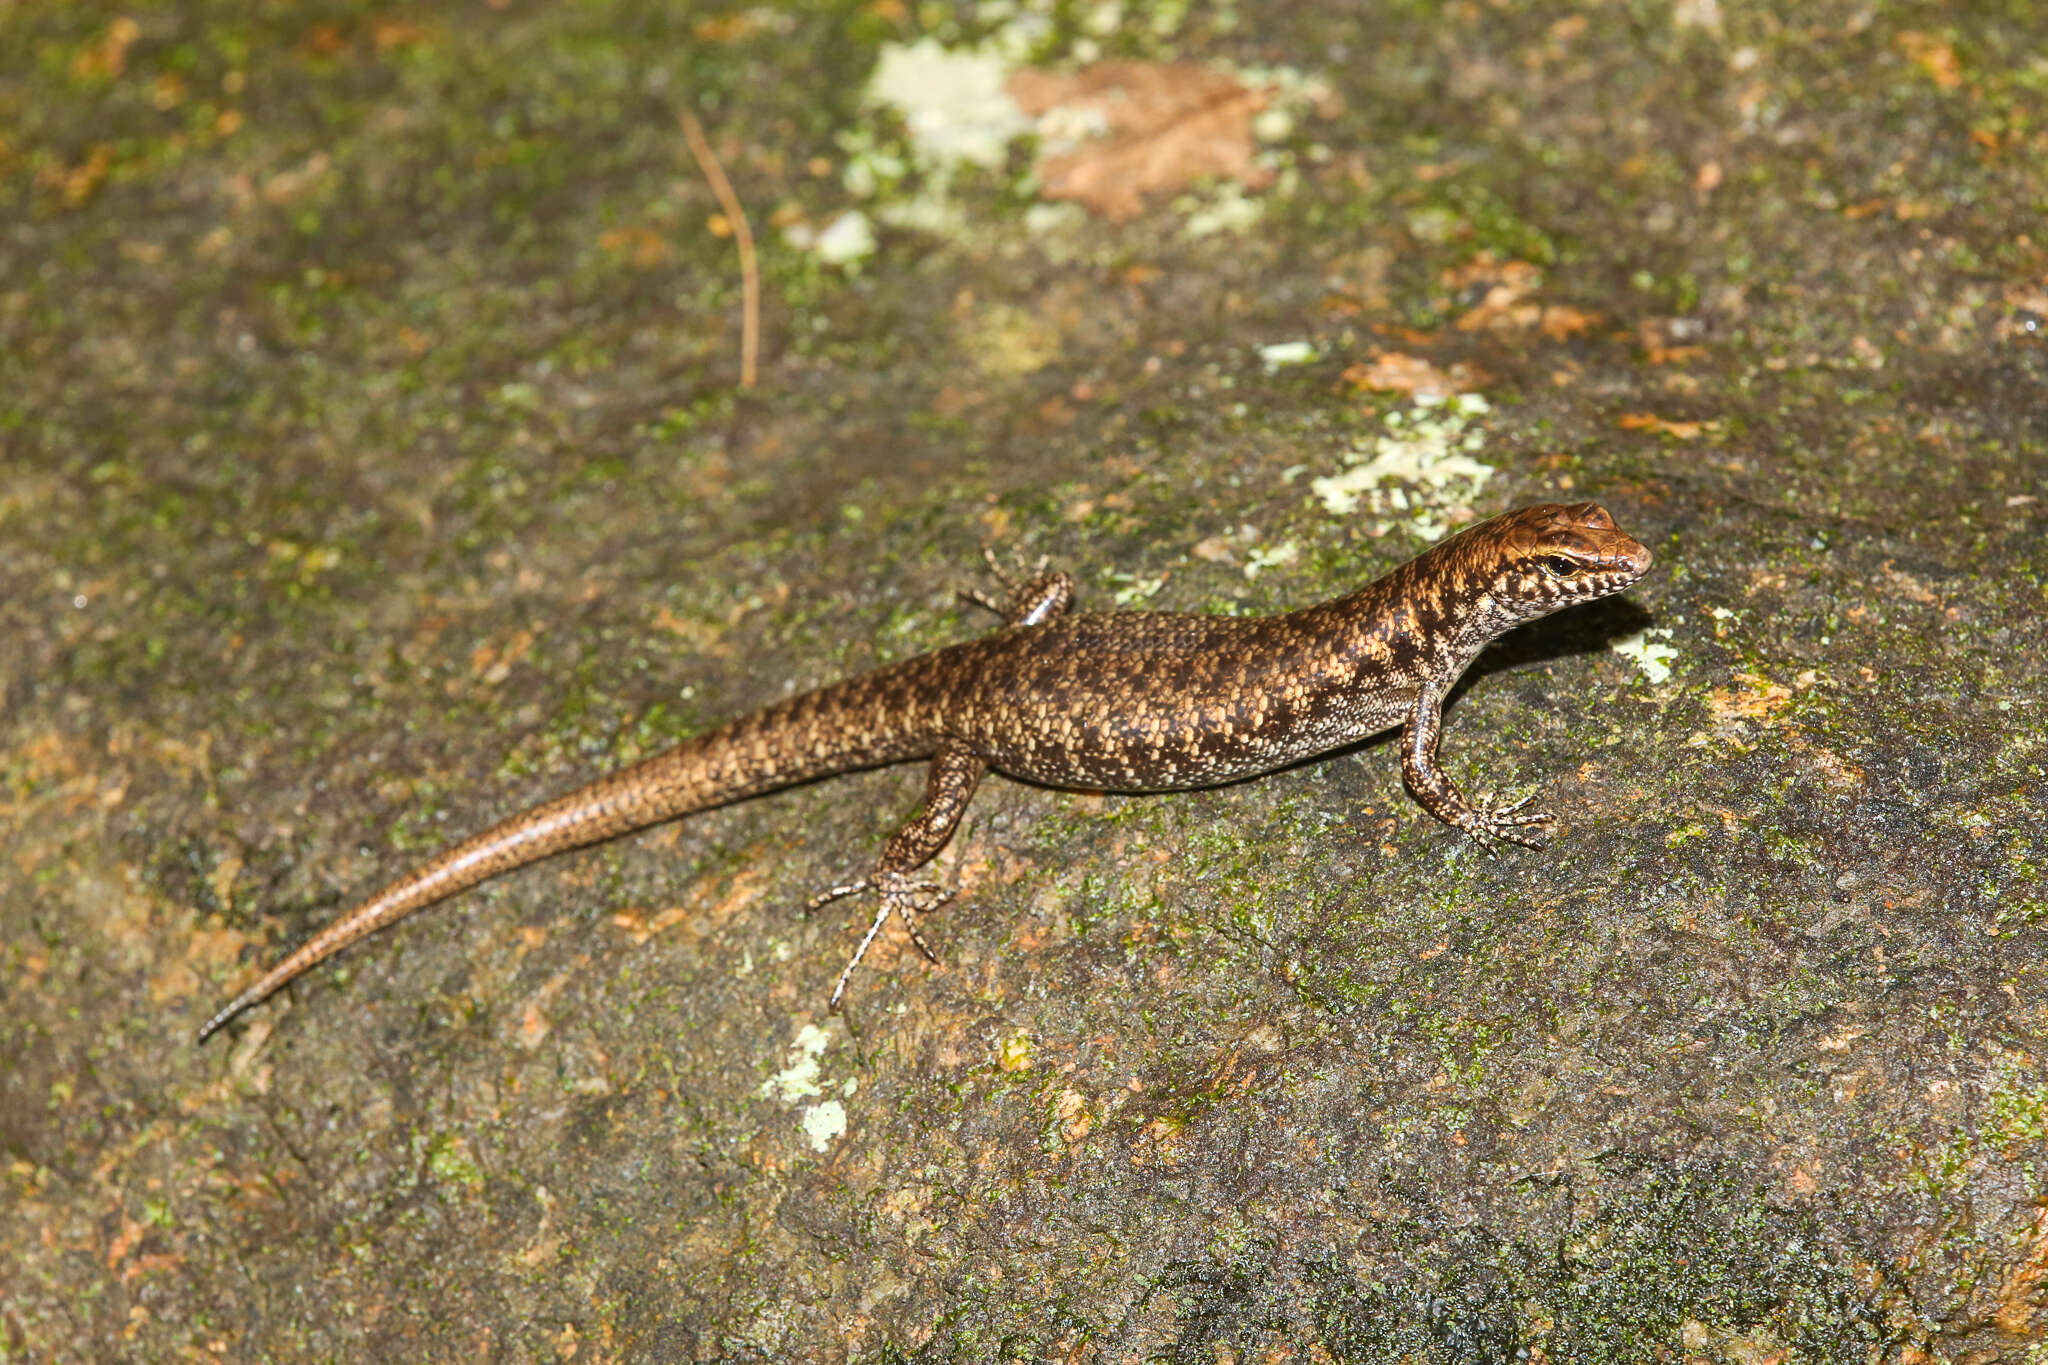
(1490,824)
(908,900)
(826,897)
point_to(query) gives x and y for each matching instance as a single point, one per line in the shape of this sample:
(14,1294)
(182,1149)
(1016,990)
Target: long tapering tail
(851,725)
(571,821)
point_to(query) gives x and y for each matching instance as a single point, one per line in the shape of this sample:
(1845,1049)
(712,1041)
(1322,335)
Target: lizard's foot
(1031,599)
(899,896)
(988,556)
(1489,824)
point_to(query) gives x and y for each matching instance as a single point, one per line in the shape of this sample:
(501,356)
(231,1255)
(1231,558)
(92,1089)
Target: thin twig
(743,237)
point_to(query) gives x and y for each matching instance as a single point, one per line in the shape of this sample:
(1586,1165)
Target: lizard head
(1548,557)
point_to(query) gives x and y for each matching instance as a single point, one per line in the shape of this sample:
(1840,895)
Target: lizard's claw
(1489,824)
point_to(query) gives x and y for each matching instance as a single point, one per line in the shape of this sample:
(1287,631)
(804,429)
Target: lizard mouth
(1620,562)
(1628,559)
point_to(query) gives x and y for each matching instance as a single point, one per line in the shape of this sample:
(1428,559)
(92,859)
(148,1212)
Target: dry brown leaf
(1757,698)
(492,665)
(287,185)
(1075,1120)
(1506,303)
(124,1241)
(725,28)
(701,636)
(1392,372)
(1518,278)
(389,32)
(1655,336)
(324,40)
(1167,124)
(1560,321)
(1650,421)
(1159,1142)
(1935,57)
(108,56)
(643,247)
(641,926)
(75,184)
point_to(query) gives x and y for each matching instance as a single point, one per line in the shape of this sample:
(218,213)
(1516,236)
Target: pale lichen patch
(1645,650)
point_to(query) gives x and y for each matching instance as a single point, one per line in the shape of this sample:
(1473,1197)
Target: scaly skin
(1122,701)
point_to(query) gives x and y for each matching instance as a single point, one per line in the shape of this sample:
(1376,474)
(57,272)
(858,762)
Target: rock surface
(372,464)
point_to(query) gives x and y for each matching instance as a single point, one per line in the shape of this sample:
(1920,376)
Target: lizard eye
(1558,566)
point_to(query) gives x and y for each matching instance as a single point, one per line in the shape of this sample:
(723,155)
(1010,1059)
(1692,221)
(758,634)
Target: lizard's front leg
(1031,601)
(1439,795)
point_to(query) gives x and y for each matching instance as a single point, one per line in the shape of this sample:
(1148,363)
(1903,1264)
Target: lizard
(1105,701)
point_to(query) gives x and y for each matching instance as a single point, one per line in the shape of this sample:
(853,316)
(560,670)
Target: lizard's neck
(1427,620)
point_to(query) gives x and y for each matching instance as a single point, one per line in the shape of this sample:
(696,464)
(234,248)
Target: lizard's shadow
(1586,629)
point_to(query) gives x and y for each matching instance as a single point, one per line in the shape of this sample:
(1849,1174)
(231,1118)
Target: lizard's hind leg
(954,774)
